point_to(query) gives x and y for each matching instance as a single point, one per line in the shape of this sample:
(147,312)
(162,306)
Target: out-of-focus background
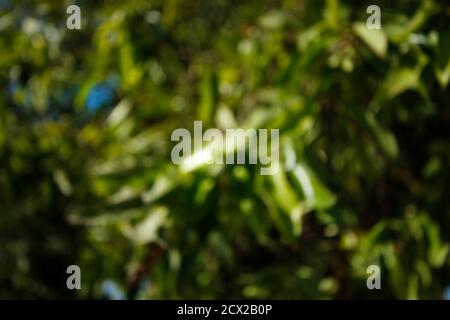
(85,170)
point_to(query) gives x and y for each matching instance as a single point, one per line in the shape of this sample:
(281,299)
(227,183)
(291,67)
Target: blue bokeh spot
(100,96)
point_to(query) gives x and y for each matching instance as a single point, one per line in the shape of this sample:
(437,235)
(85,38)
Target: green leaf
(63,182)
(332,13)
(208,95)
(442,65)
(385,139)
(147,230)
(375,39)
(443,75)
(401,80)
(316,193)
(272,20)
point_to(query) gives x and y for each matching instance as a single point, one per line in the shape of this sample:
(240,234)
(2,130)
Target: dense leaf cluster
(86,176)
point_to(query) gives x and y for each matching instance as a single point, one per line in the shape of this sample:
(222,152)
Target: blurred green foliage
(86,176)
